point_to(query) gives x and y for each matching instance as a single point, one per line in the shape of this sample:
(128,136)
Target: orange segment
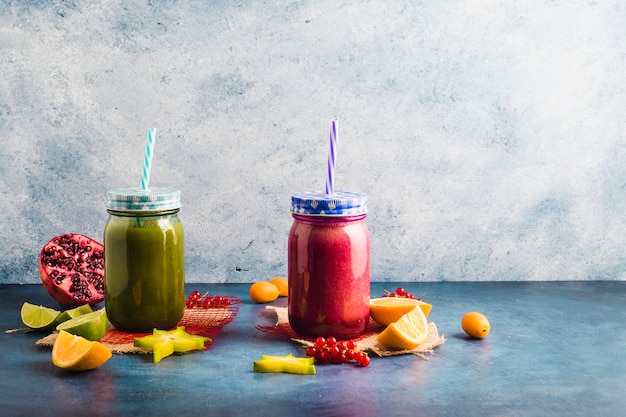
(407,333)
(75,353)
(387,310)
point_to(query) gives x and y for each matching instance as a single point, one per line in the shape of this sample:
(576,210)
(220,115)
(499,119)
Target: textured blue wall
(489,136)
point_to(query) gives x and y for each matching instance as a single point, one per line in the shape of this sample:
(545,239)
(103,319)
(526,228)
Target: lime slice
(73,313)
(38,317)
(91,326)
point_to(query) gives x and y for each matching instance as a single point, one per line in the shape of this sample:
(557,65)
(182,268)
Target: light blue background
(489,136)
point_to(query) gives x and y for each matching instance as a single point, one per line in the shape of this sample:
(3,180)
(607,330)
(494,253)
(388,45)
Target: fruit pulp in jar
(144,272)
(329,276)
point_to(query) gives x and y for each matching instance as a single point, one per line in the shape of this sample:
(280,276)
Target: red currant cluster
(197,300)
(400,293)
(329,350)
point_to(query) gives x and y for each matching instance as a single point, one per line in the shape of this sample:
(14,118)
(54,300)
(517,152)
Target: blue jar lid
(137,199)
(318,203)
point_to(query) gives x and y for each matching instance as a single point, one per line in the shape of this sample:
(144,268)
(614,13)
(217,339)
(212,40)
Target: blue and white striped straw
(147,159)
(330,172)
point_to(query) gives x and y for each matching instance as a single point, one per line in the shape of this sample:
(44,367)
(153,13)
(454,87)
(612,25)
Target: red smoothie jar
(329,265)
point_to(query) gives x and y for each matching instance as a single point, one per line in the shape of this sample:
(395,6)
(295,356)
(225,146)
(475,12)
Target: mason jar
(329,265)
(144,259)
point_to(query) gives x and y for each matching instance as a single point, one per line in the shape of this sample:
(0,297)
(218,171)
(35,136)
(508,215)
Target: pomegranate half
(71,267)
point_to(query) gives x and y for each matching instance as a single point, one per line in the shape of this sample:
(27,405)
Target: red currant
(329,350)
(334,350)
(399,292)
(364,360)
(197,300)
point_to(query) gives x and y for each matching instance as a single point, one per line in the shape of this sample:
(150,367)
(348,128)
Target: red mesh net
(206,322)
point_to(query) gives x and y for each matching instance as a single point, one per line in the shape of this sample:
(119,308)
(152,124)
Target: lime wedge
(38,317)
(91,326)
(73,313)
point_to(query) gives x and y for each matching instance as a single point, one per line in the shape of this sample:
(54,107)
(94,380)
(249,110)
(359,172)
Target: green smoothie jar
(144,259)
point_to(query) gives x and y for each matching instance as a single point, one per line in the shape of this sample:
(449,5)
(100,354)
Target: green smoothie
(144,270)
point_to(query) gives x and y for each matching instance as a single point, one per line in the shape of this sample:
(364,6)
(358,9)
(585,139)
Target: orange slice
(387,310)
(407,333)
(75,353)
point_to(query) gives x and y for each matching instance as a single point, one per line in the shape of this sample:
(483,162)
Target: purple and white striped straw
(330,172)
(147,158)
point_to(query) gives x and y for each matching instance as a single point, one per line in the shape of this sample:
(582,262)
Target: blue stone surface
(555,349)
(488,136)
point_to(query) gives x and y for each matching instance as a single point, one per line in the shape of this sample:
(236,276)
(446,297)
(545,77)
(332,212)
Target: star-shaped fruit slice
(162,343)
(288,363)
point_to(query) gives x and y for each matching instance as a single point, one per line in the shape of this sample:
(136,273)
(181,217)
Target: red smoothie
(329,275)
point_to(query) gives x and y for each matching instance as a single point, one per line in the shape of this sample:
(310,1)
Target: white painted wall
(489,136)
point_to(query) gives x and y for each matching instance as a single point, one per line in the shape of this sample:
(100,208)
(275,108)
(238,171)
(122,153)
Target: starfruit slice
(162,343)
(287,363)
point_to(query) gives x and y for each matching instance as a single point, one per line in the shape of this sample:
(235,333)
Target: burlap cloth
(366,342)
(206,322)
